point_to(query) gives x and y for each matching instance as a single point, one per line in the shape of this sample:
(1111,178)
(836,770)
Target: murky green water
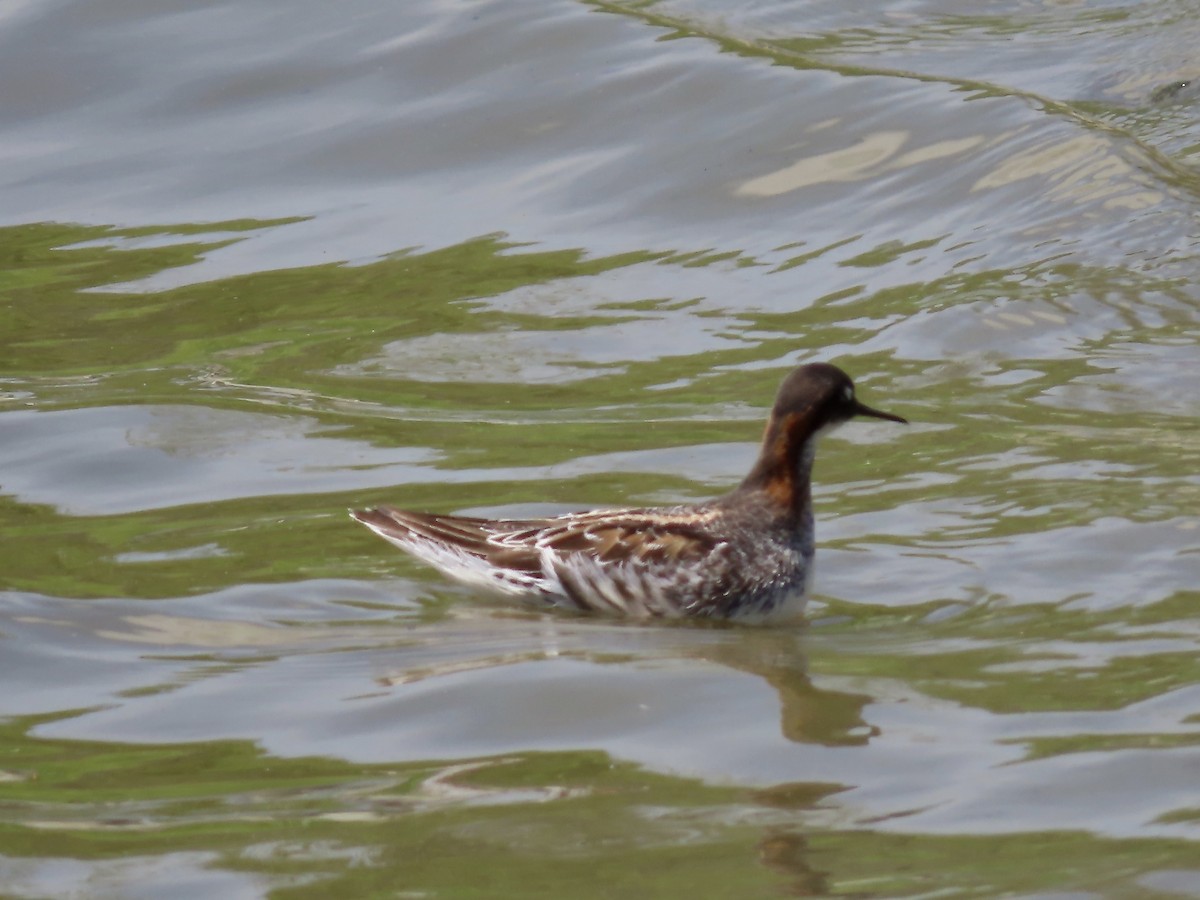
(258,265)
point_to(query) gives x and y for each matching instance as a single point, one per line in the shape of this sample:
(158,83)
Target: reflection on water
(519,258)
(667,698)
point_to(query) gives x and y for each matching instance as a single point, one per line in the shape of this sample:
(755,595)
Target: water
(260,264)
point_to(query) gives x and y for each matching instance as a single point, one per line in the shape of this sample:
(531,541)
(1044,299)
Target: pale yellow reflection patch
(1015,318)
(849,164)
(823,124)
(1041,161)
(1135,201)
(1056,318)
(869,156)
(938,150)
(1088,170)
(155,628)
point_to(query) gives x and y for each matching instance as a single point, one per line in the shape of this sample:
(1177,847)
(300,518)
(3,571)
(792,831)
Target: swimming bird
(744,555)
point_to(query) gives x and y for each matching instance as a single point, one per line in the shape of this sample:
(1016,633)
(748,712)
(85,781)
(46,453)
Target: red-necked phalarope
(746,554)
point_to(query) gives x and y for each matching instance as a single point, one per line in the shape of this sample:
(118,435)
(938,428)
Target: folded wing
(623,561)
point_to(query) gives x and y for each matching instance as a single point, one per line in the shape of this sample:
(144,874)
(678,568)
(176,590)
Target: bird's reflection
(474,639)
(788,853)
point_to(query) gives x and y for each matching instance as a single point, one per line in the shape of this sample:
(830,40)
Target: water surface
(258,265)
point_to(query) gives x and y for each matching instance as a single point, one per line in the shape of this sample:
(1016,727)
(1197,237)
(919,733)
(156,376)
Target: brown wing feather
(468,534)
(464,533)
(644,539)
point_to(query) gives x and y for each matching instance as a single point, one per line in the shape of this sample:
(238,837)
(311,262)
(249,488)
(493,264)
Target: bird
(746,555)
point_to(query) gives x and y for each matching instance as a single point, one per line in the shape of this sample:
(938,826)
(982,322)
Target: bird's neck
(783,470)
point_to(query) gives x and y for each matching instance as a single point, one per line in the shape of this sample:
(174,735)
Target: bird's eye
(848,393)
